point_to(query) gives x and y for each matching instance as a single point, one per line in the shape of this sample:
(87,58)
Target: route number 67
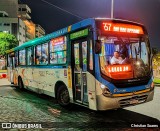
(107,26)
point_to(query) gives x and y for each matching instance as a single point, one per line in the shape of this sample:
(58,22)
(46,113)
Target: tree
(7,41)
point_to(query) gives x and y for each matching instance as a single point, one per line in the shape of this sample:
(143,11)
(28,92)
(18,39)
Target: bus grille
(132,101)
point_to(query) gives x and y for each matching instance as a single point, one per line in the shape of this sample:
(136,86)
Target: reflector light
(119,27)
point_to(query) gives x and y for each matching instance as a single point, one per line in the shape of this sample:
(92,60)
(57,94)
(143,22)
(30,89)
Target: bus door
(79,67)
(11,66)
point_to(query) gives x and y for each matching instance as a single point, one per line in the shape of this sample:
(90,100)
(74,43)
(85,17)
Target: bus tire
(20,83)
(63,96)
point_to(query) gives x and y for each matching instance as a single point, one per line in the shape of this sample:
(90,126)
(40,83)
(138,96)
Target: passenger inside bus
(116,59)
(44,60)
(121,56)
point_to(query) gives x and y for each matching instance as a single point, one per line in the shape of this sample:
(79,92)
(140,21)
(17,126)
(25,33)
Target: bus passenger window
(29,56)
(61,57)
(53,58)
(42,54)
(58,50)
(16,59)
(44,58)
(38,54)
(22,57)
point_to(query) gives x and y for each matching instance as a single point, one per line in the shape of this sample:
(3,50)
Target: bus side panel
(15,76)
(10,73)
(43,80)
(91,91)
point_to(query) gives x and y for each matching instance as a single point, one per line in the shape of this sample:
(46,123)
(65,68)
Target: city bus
(73,64)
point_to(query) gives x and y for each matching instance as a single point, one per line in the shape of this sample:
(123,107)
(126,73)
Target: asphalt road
(26,106)
(151,109)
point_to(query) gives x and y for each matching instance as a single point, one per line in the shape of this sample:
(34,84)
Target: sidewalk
(4,82)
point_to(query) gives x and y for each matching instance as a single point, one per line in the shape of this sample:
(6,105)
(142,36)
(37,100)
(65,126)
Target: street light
(112,6)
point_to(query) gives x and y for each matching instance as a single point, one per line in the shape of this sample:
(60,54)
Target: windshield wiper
(140,46)
(136,52)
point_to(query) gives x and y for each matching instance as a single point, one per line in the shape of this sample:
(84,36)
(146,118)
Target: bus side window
(53,58)
(58,53)
(29,56)
(38,54)
(16,59)
(22,57)
(44,58)
(34,55)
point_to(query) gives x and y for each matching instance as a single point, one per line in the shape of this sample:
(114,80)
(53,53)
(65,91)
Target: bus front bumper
(107,103)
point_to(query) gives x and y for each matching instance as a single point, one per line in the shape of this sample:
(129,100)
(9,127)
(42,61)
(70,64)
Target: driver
(116,59)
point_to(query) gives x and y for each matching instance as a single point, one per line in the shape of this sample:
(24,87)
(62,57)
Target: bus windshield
(125,57)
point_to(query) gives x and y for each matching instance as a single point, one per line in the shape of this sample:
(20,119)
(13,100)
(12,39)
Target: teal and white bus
(74,65)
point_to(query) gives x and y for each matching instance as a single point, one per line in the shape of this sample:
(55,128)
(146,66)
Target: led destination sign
(58,40)
(120,27)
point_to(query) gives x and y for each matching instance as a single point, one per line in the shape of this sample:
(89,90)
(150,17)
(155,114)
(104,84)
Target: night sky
(51,19)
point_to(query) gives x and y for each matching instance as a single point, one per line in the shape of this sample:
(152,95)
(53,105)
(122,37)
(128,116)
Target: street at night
(79,65)
(26,106)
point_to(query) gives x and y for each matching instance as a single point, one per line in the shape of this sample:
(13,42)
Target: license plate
(134,101)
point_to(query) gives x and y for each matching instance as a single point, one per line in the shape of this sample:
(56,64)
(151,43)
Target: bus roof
(60,32)
(71,28)
(121,20)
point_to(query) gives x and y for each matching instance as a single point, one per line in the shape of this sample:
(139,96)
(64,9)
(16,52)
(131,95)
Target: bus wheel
(63,96)
(20,83)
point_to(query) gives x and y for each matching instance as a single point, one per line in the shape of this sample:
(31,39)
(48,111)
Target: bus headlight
(105,90)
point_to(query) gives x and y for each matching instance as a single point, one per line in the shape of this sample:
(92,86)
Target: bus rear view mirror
(98,47)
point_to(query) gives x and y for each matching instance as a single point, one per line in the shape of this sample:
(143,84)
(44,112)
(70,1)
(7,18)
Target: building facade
(13,26)
(9,6)
(15,19)
(39,31)
(24,11)
(21,31)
